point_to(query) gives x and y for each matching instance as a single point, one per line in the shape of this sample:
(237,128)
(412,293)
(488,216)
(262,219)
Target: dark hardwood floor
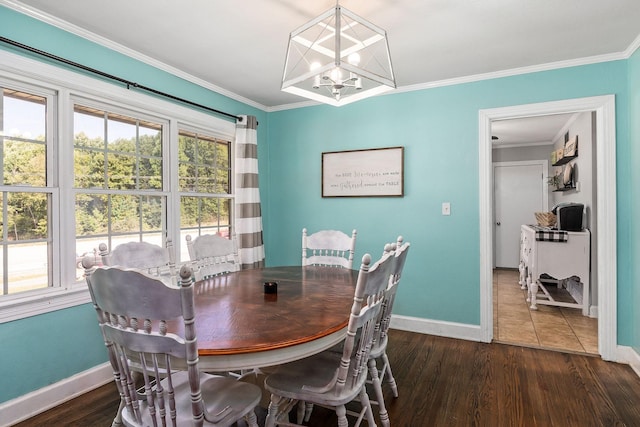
(448,382)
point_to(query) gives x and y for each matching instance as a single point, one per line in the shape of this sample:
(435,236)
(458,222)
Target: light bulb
(354,59)
(336,75)
(316,79)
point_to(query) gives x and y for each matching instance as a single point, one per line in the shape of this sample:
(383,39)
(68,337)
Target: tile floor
(557,328)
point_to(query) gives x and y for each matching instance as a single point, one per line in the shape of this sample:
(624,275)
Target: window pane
(150,174)
(121,136)
(223,181)
(150,141)
(189,216)
(204,212)
(207,152)
(27,216)
(125,214)
(25,163)
(122,171)
(91,214)
(152,209)
(23,123)
(89,168)
(28,266)
(23,115)
(88,129)
(206,182)
(187,148)
(187,177)
(222,156)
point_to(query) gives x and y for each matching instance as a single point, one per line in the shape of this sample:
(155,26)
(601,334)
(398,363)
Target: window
(84,162)
(25,193)
(118,178)
(204,176)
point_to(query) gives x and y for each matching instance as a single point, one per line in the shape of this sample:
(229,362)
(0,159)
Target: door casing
(604,108)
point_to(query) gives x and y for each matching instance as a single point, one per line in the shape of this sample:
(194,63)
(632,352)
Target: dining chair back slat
(212,255)
(142,256)
(332,248)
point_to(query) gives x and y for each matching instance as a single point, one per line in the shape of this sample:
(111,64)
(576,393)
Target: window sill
(35,303)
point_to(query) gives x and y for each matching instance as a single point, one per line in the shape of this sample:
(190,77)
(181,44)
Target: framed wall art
(375,172)
(571,147)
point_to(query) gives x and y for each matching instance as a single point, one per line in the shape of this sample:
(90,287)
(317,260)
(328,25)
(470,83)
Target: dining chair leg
(387,371)
(270,420)
(377,386)
(279,408)
(251,419)
(341,412)
(308,408)
(117,421)
(301,414)
(364,400)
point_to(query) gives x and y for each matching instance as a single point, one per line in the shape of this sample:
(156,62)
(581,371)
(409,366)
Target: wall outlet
(446,208)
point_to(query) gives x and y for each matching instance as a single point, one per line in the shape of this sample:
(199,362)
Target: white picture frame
(375,172)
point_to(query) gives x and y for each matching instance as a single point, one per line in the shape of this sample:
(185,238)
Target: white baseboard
(435,327)
(628,355)
(28,405)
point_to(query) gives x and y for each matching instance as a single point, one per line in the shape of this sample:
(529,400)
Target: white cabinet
(559,259)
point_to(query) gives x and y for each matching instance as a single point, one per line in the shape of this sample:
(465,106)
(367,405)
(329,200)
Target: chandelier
(338,58)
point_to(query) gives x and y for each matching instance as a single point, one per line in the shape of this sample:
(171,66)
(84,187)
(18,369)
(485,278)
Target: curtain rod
(128,83)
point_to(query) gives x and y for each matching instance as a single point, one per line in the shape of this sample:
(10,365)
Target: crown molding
(76,30)
(635,44)
(81,32)
(514,72)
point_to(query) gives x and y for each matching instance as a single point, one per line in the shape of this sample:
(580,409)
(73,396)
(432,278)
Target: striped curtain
(248,215)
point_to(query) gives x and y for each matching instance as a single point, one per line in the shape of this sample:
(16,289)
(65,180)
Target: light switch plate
(446,208)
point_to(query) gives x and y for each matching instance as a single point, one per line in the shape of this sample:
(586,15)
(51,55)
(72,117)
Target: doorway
(604,108)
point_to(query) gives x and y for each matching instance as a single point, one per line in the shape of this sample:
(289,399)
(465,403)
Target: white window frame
(69,85)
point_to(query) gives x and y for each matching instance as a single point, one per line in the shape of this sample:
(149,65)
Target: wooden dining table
(239,326)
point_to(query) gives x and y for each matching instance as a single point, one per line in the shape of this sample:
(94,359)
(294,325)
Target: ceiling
(238,48)
(527,131)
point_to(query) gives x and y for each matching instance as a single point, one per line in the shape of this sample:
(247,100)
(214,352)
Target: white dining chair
(380,341)
(331,248)
(143,256)
(212,255)
(134,312)
(381,338)
(333,379)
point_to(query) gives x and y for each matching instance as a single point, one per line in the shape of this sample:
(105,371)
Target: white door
(519,191)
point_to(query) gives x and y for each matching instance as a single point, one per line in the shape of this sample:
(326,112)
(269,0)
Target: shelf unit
(564,160)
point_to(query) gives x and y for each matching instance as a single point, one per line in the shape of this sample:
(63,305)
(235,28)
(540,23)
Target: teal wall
(634,137)
(42,350)
(439,130)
